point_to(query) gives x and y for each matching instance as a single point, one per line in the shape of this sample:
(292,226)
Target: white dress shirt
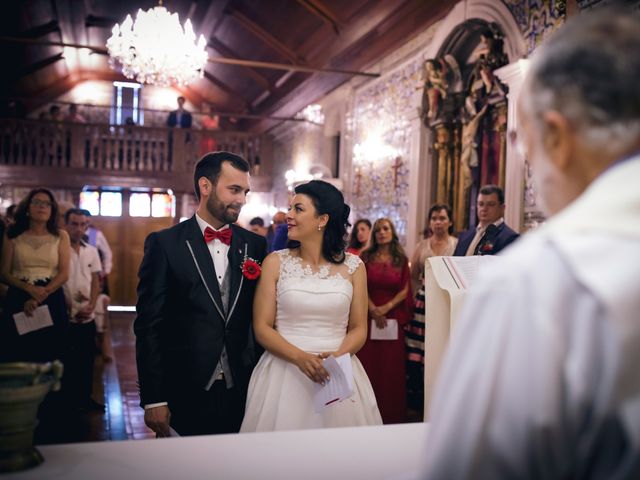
(77,289)
(541,377)
(217,249)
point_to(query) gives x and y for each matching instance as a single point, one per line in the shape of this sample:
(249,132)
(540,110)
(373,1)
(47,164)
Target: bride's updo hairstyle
(327,199)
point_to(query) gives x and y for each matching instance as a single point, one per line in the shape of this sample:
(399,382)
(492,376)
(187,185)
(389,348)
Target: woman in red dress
(388,281)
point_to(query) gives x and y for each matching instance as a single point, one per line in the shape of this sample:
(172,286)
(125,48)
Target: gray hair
(589,71)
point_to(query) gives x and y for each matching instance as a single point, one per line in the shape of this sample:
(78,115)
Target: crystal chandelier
(156,50)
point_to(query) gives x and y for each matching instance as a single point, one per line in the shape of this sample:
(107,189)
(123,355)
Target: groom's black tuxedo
(182,325)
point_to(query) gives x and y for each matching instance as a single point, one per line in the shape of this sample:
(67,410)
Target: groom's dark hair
(210,165)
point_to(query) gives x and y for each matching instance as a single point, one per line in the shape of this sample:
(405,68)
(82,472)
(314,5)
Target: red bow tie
(223,235)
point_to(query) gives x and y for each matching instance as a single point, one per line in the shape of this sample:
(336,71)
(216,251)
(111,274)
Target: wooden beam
(391,32)
(323,12)
(54,177)
(72,29)
(100,22)
(229,53)
(265,36)
(39,65)
(224,60)
(226,88)
(213,18)
(284,66)
(41,30)
(34,100)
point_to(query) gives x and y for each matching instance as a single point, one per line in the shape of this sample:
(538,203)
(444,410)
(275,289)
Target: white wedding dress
(312,314)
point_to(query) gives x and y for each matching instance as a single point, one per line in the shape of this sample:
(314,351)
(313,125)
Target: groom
(194,344)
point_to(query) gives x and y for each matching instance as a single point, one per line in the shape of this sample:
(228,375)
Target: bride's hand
(311,366)
(324,355)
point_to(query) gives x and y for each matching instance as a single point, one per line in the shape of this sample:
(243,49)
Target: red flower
(250,269)
(487,247)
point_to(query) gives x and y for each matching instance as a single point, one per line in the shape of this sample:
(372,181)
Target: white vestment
(542,376)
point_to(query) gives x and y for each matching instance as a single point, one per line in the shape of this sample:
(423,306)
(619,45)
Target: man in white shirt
(541,378)
(81,293)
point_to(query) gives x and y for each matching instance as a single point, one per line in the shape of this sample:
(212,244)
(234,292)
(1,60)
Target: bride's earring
(319,228)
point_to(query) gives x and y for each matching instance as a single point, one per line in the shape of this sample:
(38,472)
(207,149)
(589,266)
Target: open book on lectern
(446,282)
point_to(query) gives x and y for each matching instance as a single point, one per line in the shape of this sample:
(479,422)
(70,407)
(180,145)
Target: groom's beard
(224,213)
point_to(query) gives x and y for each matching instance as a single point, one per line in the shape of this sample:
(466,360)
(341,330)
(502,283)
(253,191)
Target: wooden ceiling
(325,34)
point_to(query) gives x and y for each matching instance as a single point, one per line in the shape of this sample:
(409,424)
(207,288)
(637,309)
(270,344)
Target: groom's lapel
(204,264)
(237,252)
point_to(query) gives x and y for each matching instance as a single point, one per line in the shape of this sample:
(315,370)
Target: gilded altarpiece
(466,110)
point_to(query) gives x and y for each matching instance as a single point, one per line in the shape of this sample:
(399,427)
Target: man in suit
(180,117)
(194,344)
(492,234)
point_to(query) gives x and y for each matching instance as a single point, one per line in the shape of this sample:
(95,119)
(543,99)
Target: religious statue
(435,89)
(491,48)
(467,119)
(442,147)
(468,160)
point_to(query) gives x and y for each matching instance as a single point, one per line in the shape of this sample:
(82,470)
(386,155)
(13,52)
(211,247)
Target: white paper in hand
(41,318)
(390,332)
(340,384)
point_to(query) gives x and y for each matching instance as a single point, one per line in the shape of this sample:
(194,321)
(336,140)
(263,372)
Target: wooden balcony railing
(120,148)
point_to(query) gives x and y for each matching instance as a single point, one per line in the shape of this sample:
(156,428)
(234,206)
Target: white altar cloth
(384,452)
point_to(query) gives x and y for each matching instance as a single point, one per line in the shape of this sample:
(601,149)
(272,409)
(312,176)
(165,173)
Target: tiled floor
(114,385)
(124,350)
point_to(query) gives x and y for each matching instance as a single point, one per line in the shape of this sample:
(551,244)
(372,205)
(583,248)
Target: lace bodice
(292,267)
(313,306)
(35,257)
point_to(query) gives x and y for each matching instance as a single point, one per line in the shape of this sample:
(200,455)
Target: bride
(310,302)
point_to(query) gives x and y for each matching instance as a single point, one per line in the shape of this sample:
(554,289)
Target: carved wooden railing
(119,148)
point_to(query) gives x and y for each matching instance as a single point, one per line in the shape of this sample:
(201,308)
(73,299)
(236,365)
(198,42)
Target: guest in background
(74,116)
(256,225)
(492,234)
(180,118)
(81,295)
(281,238)
(280,218)
(440,243)
(96,238)
(359,237)
(388,281)
(211,121)
(55,114)
(63,207)
(9,215)
(103,330)
(35,264)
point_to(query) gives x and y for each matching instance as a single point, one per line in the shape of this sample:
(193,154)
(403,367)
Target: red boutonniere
(250,269)
(487,247)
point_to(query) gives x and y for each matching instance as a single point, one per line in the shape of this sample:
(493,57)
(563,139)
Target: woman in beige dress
(439,243)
